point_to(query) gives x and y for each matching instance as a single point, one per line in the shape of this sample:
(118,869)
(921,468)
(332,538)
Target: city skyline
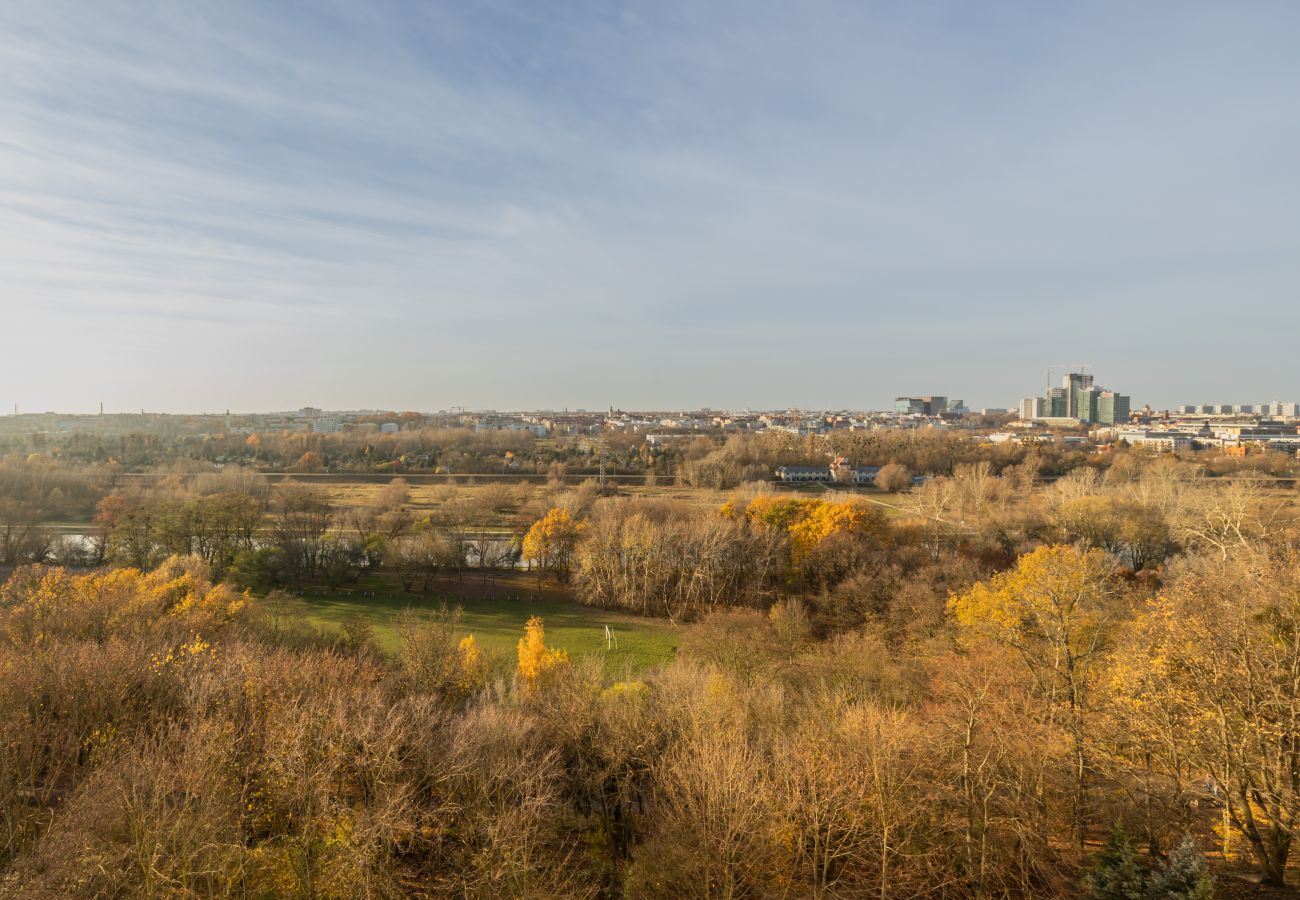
(251,205)
(1254,404)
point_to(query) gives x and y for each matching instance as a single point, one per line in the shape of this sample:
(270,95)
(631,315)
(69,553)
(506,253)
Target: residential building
(826,474)
(1160,441)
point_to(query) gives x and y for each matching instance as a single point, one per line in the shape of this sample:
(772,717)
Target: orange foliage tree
(552,542)
(813,526)
(536,660)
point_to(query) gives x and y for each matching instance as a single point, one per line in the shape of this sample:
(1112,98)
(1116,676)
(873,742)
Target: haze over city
(408,205)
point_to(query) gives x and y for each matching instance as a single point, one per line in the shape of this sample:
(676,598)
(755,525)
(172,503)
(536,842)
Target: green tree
(1116,875)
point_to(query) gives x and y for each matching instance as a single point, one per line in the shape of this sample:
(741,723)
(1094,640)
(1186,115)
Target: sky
(421,205)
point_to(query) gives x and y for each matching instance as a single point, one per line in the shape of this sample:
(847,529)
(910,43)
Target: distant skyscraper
(1085,404)
(1077,399)
(1073,383)
(1058,403)
(1112,408)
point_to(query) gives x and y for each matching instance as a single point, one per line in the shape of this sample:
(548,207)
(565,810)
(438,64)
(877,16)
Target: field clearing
(425,498)
(495,613)
(430,496)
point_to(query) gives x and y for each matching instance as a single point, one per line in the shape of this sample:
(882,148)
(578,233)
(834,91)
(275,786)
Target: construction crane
(1072,367)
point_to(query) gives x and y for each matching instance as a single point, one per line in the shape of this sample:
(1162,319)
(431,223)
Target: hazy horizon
(256,207)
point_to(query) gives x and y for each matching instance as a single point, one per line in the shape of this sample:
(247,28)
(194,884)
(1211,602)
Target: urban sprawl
(1076,411)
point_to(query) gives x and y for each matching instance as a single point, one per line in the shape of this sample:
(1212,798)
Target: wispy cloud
(506,204)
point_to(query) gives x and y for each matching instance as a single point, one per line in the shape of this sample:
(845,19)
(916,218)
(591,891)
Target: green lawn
(497,622)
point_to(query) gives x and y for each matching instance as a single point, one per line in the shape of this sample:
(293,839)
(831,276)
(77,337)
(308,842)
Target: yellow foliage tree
(779,512)
(552,543)
(470,667)
(1206,689)
(814,526)
(536,660)
(1054,609)
(822,520)
(43,602)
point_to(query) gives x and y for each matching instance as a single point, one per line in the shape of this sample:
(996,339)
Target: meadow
(495,610)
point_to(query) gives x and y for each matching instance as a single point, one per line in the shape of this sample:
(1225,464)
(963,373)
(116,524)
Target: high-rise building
(1085,404)
(1058,403)
(1033,408)
(1077,399)
(1112,408)
(1073,383)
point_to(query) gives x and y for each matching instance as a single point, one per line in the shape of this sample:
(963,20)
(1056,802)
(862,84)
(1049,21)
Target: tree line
(957,690)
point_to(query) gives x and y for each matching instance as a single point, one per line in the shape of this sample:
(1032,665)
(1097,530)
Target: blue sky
(420,205)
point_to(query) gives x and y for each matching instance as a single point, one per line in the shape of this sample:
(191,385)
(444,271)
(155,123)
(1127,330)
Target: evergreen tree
(1184,877)
(1117,874)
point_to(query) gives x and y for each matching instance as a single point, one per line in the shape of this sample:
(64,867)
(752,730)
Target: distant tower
(1074,382)
(101,407)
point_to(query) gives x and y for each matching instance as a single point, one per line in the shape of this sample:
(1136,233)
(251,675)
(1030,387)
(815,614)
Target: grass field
(495,615)
(424,497)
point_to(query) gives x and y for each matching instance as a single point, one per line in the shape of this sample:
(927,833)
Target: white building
(1149,439)
(1033,408)
(824,474)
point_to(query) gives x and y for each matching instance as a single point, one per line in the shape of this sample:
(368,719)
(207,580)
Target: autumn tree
(1206,686)
(109,511)
(435,657)
(827,537)
(936,503)
(1229,516)
(823,520)
(893,477)
(1055,609)
(551,543)
(536,660)
(658,561)
(310,461)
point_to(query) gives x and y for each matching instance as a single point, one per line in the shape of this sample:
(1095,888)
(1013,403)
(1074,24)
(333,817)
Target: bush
(893,477)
